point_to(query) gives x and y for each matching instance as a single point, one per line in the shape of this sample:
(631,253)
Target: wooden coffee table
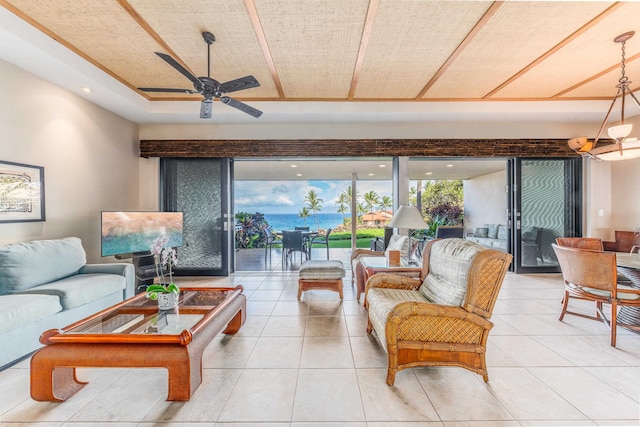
(135,334)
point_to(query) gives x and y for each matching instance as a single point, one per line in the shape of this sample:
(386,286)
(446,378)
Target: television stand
(145,269)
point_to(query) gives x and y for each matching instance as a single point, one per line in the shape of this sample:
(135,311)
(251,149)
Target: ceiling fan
(208,87)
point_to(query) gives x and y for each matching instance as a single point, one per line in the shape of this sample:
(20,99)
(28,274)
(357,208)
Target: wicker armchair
(442,318)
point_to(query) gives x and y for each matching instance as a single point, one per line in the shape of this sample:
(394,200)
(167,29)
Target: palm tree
(304,213)
(385,202)
(347,195)
(343,204)
(315,204)
(371,199)
(361,209)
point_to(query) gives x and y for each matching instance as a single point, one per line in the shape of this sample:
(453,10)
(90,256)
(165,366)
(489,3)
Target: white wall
(485,200)
(90,158)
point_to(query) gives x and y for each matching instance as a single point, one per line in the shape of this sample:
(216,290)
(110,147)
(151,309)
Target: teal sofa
(46,284)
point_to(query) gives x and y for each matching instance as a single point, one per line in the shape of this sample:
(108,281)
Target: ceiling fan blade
(206,108)
(159,89)
(241,106)
(169,60)
(246,82)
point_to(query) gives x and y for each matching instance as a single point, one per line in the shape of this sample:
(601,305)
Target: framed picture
(21,192)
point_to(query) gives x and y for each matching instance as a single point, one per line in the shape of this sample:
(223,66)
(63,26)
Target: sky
(273,197)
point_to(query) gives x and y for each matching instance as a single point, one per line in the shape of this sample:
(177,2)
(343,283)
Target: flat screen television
(134,232)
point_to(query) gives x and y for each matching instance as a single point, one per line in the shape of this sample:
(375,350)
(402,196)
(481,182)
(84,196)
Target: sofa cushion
(81,289)
(28,264)
(382,300)
(449,263)
(21,309)
(481,232)
(492,231)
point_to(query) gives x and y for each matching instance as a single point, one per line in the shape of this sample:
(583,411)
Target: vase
(167,301)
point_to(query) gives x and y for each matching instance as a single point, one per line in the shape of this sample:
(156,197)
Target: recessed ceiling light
(370,174)
(428,173)
(298,174)
(294,166)
(449,165)
(85,89)
(382,166)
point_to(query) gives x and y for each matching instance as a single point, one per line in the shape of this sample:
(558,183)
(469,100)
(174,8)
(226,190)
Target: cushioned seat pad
(382,300)
(19,309)
(320,269)
(78,290)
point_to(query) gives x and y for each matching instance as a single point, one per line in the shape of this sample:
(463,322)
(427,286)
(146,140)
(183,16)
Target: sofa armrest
(120,268)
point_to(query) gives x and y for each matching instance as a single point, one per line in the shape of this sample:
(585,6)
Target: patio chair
(320,240)
(292,242)
(592,275)
(271,240)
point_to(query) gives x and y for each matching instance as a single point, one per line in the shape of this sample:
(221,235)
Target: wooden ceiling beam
(372,11)
(555,49)
(147,28)
(462,46)
(262,40)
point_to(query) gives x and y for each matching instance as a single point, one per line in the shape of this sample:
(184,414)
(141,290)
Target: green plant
(155,289)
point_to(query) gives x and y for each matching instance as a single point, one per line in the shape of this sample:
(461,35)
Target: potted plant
(165,293)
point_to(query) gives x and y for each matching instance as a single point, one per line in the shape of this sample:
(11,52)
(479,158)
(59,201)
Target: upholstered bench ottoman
(320,274)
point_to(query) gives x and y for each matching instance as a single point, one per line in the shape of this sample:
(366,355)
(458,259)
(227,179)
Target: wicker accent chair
(592,275)
(592,243)
(441,318)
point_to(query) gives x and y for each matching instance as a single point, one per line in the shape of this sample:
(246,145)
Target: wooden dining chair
(592,243)
(591,275)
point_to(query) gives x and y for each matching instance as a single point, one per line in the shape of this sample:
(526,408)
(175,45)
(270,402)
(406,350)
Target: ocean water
(289,221)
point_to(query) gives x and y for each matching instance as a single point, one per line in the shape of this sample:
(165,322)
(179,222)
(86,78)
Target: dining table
(629,265)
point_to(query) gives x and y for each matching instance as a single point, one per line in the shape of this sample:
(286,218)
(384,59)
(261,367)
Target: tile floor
(311,364)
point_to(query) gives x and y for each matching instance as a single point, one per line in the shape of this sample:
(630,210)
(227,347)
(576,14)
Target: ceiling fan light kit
(623,147)
(208,87)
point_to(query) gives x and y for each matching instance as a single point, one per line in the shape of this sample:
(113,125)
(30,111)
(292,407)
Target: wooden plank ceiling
(355,50)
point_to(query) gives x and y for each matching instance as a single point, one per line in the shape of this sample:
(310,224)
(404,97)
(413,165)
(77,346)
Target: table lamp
(410,218)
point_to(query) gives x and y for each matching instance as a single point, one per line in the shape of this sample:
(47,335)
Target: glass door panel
(546,203)
(198,188)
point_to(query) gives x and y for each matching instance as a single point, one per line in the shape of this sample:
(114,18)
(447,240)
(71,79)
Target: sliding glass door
(544,202)
(199,189)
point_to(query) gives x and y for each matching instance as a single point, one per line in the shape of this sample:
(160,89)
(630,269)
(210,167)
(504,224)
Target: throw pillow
(503,231)
(493,230)
(398,243)
(530,233)
(481,232)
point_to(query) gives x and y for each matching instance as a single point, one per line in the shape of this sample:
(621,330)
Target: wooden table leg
(236,323)
(50,383)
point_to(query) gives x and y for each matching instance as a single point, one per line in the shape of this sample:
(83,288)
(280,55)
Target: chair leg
(565,302)
(614,323)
